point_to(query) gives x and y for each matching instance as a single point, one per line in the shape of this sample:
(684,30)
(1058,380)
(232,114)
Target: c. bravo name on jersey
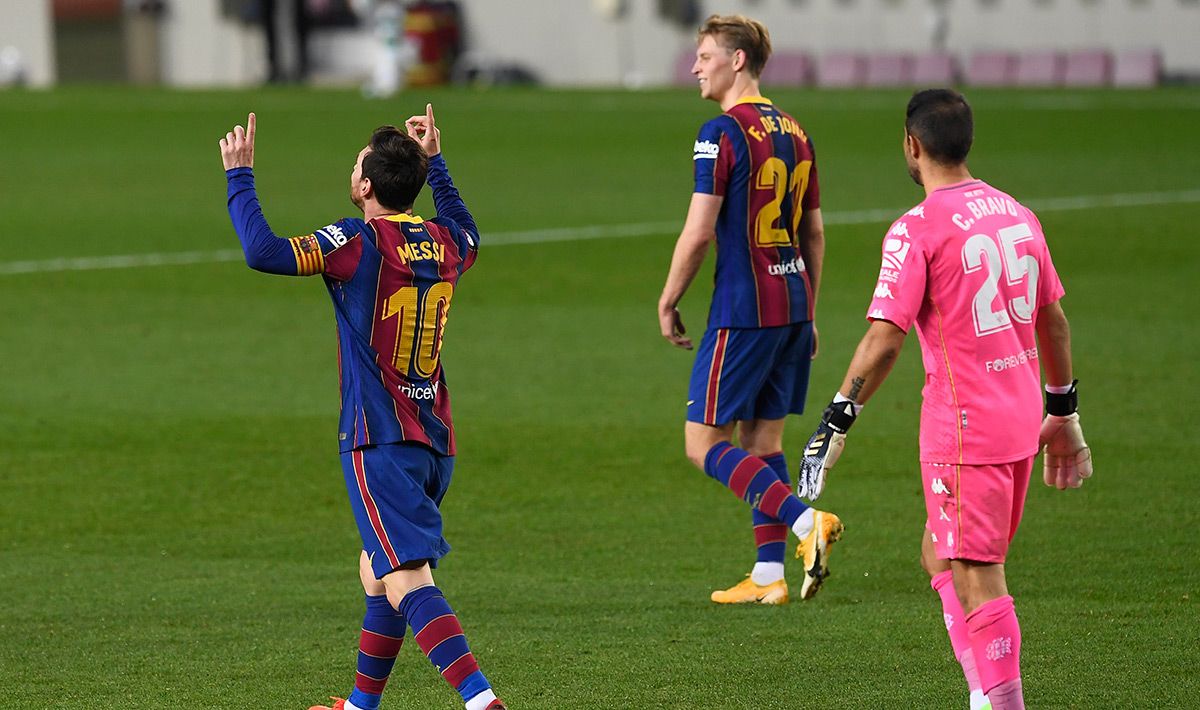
(983,207)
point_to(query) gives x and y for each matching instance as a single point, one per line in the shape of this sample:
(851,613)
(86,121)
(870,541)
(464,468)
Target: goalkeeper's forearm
(873,360)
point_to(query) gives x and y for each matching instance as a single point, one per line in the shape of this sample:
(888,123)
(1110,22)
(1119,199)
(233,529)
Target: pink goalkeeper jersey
(970,267)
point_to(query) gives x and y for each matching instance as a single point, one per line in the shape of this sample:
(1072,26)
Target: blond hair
(735,32)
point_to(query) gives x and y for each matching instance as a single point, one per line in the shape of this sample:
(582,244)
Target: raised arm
(699,230)
(446,200)
(263,249)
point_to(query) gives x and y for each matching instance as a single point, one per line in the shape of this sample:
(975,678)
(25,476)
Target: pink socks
(996,642)
(956,627)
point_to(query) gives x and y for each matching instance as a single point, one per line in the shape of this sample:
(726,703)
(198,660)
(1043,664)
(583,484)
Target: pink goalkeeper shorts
(973,511)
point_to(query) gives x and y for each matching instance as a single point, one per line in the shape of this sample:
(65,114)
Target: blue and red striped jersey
(391,280)
(762,163)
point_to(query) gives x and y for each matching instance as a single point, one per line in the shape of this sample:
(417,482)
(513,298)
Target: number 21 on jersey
(773,176)
(1000,257)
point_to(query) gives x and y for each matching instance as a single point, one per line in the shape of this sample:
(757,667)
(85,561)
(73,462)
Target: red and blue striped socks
(438,633)
(382,633)
(770,534)
(752,480)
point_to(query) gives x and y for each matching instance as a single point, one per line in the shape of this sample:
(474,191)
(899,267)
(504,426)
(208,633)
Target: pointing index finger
(250,121)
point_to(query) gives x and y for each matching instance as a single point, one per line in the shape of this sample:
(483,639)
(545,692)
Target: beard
(915,173)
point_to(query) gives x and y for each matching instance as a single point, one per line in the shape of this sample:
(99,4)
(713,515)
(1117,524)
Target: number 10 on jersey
(419,348)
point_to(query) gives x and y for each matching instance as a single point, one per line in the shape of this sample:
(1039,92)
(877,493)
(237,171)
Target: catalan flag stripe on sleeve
(309,259)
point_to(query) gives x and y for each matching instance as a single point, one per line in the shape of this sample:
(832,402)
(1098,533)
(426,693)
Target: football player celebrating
(391,276)
(970,269)
(756,197)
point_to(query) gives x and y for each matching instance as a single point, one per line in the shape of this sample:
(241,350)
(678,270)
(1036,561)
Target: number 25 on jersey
(1000,256)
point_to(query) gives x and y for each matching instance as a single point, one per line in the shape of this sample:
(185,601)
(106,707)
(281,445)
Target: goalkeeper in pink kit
(970,269)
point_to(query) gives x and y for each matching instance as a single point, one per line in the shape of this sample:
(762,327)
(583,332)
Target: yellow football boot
(814,549)
(747,592)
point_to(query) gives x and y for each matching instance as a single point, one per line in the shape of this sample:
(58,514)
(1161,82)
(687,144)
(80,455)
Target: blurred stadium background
(630,43)
(174,531)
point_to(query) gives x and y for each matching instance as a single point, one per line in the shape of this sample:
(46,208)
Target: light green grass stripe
(574,234)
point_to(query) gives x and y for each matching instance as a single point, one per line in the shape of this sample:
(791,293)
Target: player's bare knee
(930,562)
(405,578)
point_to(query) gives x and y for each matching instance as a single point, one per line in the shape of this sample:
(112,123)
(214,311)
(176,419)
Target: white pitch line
(575,234)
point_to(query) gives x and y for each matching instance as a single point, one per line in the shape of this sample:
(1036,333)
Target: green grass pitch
(173,525)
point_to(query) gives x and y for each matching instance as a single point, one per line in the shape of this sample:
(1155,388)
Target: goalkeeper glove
(824,447)
(1067,460)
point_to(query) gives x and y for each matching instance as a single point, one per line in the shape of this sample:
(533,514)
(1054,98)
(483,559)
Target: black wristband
(839,416)
(1063,405)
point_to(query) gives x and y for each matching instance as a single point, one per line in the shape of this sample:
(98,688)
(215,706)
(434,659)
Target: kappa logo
(948,618)
(877,314)
(334,234)
(900,229)
(705,150)
(999,647)
(942,514)
(918,211)
(882,290)
(938,487)
(894,253)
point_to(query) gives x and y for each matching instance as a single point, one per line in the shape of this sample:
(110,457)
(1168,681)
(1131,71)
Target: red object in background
(434,29)
(86,9)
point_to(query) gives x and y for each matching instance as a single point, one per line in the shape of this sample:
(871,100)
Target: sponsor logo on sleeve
(334,235)
(918,211)
(895,252)
(889,275)
(705,150)
(882,290)
(900,229)
(877,314)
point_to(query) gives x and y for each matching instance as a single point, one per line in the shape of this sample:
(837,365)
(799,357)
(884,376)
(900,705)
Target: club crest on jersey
(705,150)
(421,251)
(308,244)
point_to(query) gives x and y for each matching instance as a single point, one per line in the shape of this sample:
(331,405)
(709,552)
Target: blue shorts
(750,373)
(395,491)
